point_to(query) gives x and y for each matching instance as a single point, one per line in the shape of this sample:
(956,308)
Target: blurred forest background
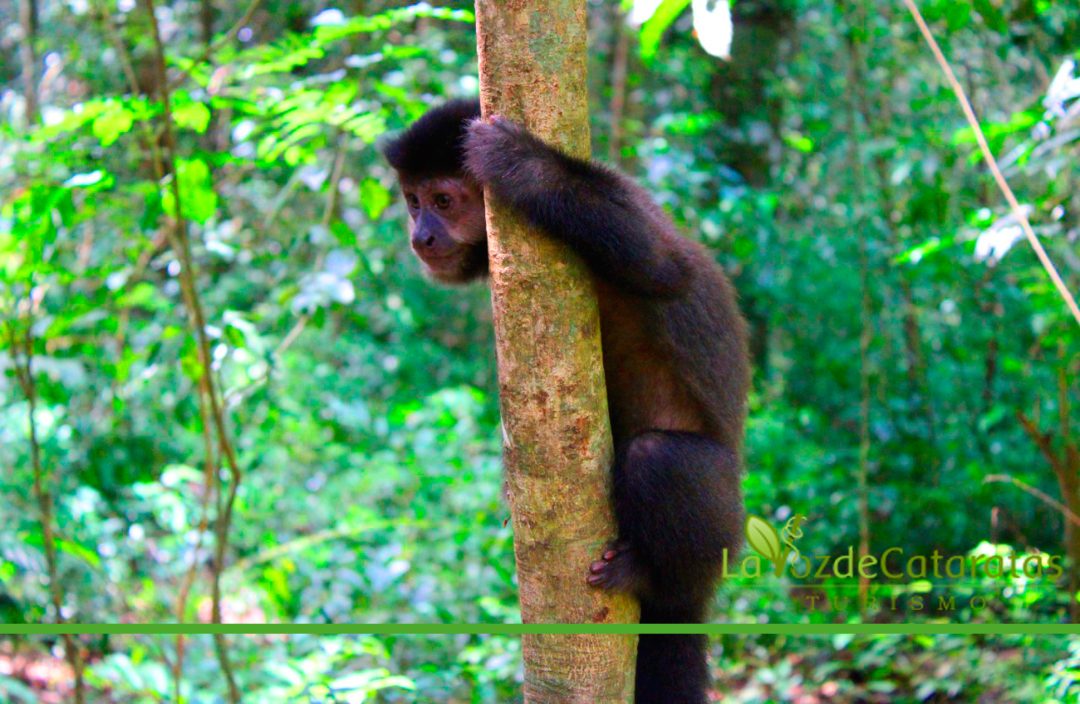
(341,463)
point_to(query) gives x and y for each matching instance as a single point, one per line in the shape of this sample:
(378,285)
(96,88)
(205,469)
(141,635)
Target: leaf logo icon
(764,539)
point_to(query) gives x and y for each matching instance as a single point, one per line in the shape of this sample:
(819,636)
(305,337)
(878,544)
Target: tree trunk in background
(861,225)
(619,63)
(742,90)
(1066,466)
(557,441)
(28,54)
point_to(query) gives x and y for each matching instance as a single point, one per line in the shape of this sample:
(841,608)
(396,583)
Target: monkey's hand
(502,154)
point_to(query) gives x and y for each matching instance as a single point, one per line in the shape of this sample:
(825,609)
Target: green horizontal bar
(538,628)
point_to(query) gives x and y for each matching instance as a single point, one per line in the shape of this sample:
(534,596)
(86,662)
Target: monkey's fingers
(617,569)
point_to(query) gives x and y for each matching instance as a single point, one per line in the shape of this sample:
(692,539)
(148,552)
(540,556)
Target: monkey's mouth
(438,261)
(439,265)
(457,265)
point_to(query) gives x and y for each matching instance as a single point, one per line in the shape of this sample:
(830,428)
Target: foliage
(362,400)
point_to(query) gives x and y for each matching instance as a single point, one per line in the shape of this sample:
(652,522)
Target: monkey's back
(677,363)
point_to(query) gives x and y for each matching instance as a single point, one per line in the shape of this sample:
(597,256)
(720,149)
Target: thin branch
(1042,440)
(210,474)
(1063,399)
(1040,495)
(24,372)
(234,30)
(213,48)
(196,317)
(866,304)
(988,156)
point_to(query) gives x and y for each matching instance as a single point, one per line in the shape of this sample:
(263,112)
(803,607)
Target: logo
(895,572)
(775,547)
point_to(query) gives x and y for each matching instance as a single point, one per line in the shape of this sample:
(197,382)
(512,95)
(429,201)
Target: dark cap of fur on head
(433,146)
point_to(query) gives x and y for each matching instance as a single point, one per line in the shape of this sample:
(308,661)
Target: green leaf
(196,192)
(653,30)
(371,681)
(763,537)
(374,197)
(75,550)
(192,116)
(1019,122)
(242,333)
(143,295)
(916,253)
(957,15)
(72,119)
(112,123)
(189,361)
(992,15)
(343,234)
(690,123)
(799,142)
(992,417)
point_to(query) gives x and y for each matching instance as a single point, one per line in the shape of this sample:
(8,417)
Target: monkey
(675,358)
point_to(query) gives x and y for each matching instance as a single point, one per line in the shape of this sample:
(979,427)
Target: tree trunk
(28,54)
(557,440)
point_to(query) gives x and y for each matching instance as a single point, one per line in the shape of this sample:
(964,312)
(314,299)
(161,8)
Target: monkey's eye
(412,201)
(442,201)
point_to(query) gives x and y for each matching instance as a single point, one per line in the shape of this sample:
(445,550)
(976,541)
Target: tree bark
(557,439)
(28,54)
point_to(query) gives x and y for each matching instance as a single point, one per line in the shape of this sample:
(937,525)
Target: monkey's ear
(433,146)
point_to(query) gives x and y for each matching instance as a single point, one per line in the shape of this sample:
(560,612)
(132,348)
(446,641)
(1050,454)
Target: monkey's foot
(618,569)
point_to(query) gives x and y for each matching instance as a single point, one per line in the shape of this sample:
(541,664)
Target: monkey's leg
(605,217)
(678,506)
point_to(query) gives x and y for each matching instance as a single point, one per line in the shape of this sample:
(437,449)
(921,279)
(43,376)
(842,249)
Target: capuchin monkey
(675,358)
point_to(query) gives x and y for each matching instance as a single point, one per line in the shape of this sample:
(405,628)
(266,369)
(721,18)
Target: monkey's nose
(423,242)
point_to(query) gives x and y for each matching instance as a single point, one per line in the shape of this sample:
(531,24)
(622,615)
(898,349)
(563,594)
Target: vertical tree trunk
(557,442)
(866,303)
(619,64)
(28,55)
(1066,466)
(1067,470)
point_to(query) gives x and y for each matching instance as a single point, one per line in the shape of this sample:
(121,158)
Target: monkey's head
(446,207)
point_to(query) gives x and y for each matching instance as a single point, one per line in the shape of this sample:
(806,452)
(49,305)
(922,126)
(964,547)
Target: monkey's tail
(672,669)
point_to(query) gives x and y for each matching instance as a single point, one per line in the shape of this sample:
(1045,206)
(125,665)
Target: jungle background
(914,369)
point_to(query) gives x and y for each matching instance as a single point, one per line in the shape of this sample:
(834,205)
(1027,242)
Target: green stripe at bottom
(538,628)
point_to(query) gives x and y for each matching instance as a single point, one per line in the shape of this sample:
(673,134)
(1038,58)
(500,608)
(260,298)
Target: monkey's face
(447,229)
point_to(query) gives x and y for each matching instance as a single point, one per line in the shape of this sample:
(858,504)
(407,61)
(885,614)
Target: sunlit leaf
(83,180)
(196,191)
(78,551)
(916,253)
(799,142)
(652,32)
(112,123)
(712,24)
(374,197)
(641,10)
(192,116)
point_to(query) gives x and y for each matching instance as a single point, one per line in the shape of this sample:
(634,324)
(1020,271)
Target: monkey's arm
(607,219)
